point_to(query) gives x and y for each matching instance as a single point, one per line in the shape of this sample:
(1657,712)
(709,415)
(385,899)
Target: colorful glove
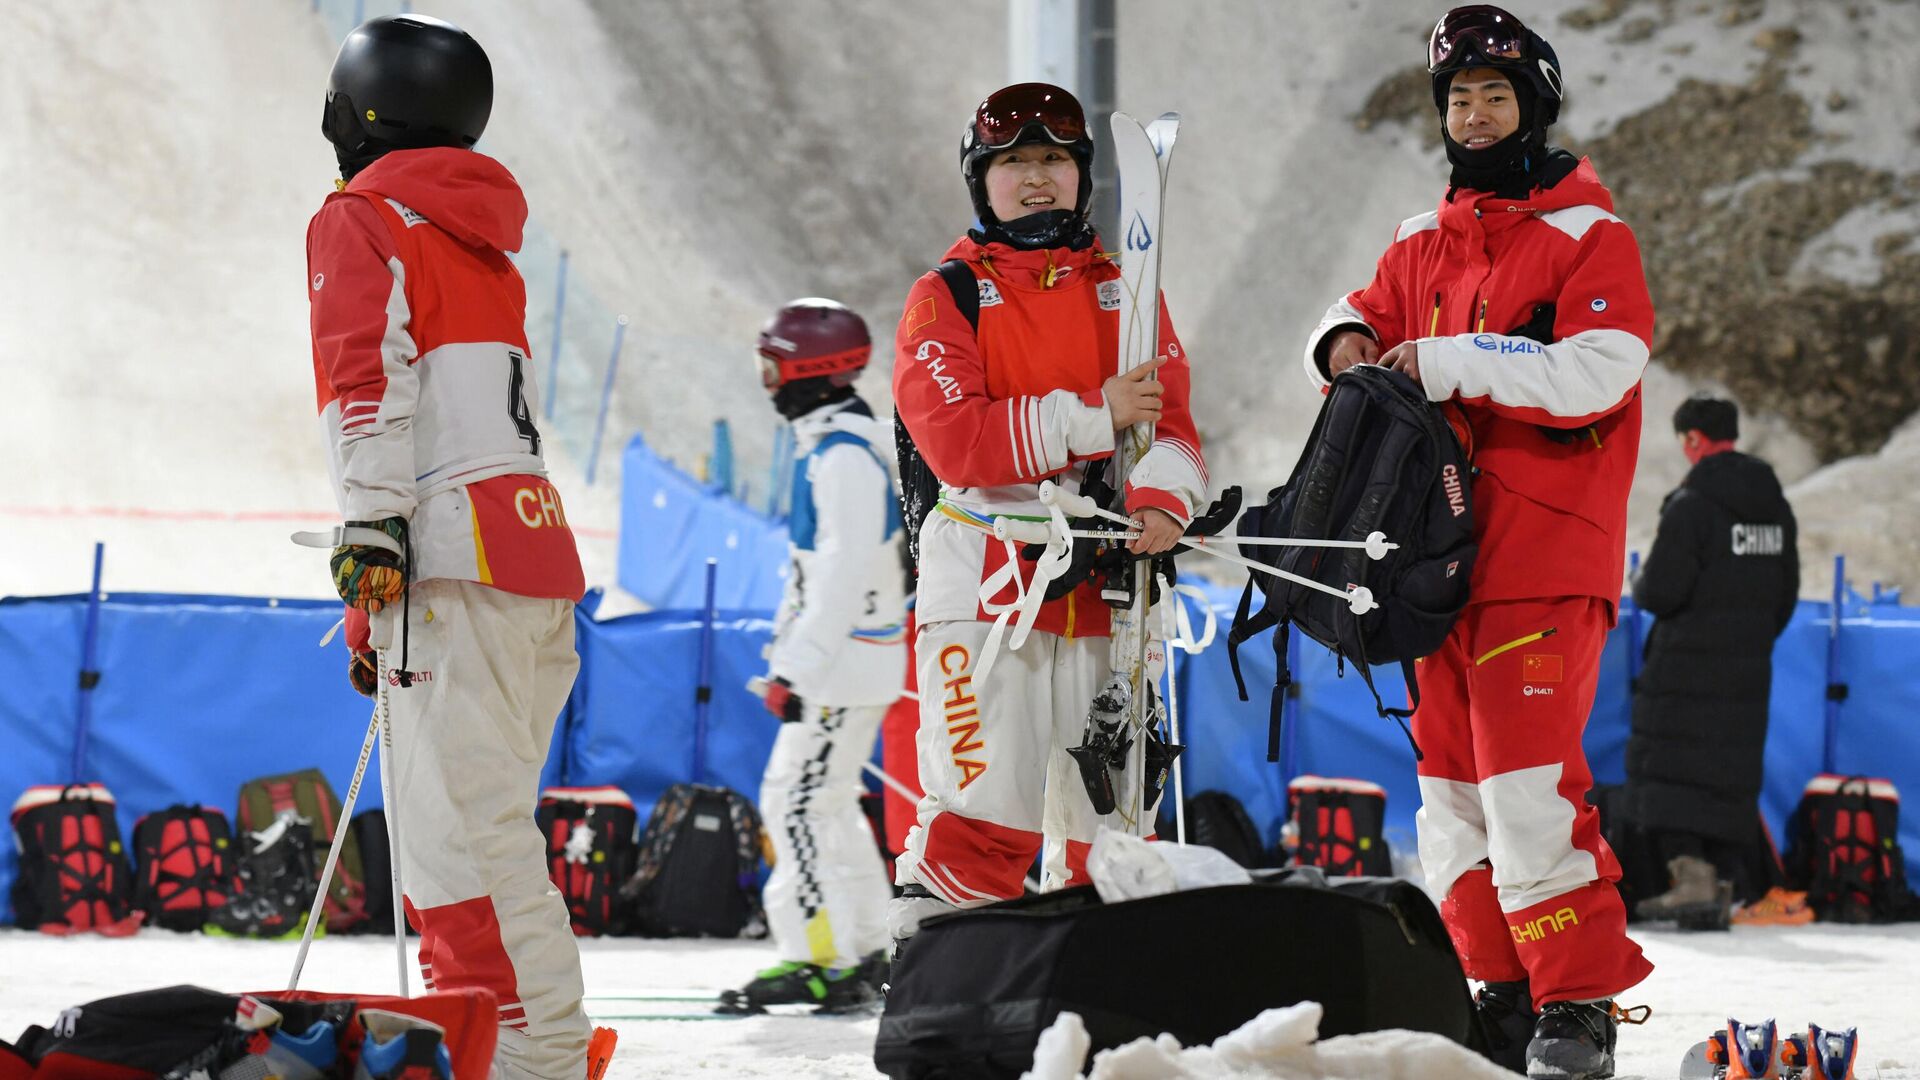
(364,672)
(781,701)
(367,577)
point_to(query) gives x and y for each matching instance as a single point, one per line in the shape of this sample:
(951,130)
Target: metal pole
(1098,33)
(1632,612)
(1836,690)
(559,313)
(606,394)
(703,693)
(89,674)
(359,12)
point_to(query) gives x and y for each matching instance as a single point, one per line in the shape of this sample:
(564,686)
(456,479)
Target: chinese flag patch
(1540,667)
(919,315)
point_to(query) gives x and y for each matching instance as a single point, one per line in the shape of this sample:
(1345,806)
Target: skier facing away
(1521,300)
(836,664)
(426,394)
(1031,394)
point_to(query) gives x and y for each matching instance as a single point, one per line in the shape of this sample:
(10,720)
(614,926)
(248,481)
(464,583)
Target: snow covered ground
(1831,975)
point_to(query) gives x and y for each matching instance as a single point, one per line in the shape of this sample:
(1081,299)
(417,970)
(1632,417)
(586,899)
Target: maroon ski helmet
(812,338)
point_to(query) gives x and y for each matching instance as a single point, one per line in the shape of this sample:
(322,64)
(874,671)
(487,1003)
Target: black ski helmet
(1031,112)
(402,82)
(1481,35)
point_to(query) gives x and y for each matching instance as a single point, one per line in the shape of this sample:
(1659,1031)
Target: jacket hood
(468,194)
(1037,270)
(1741,483)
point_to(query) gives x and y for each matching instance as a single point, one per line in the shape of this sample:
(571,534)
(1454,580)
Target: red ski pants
(1506,835)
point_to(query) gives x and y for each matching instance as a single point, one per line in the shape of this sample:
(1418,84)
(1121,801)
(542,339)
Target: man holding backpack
(1520,303)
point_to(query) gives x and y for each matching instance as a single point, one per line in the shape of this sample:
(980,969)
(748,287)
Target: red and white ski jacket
(1550,516)
(995,412)
(425,382)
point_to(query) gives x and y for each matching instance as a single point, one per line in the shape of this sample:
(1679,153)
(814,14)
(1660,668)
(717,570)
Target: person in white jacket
(837,662)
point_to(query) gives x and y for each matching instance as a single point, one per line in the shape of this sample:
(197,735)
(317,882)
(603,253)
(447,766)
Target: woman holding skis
(1024,390)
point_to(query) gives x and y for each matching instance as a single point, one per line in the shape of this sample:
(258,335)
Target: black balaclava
(1506,166)
(801,396)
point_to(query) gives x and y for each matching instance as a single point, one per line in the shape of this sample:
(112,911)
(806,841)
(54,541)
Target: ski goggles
(1008,113)
(777,371)
(1477,28)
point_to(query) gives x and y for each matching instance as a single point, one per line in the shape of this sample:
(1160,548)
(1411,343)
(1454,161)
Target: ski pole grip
(342,535)
(1079,506)
(1360,600)
(1022,532)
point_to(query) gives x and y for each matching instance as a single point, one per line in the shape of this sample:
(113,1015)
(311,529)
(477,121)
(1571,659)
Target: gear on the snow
(272,890)
(74,874)
(795,983)
(699,868)
(1698,898)
(1339,826)
(308,794)
(1574,1040)
(591,850)
(1842,848)
(1217,820)
(1505,1014)
(183,859)
(809,354)
(402,82)
(1023,113)
(1481,35)
(1380,458)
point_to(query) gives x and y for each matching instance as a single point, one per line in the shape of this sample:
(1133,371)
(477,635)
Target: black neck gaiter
(1505,166)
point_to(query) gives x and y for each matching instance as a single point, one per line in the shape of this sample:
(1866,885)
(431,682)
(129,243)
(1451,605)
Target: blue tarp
(671,524)
(199,694)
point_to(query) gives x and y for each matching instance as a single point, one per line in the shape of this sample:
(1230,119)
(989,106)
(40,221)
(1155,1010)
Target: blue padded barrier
(671,524)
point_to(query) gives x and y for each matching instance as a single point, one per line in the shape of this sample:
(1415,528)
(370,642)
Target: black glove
(363,671)
(367,577)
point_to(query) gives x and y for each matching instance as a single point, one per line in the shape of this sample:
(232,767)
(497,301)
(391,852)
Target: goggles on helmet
(1480,29)
(777,371)
(1009,112)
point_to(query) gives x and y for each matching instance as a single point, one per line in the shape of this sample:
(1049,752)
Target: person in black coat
(1721,580)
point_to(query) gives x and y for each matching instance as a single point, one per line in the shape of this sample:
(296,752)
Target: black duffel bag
(972,992)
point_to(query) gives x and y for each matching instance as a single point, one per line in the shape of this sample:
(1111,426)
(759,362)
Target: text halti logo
(1503,345)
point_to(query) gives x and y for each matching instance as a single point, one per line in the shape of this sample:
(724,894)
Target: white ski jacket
(840,636)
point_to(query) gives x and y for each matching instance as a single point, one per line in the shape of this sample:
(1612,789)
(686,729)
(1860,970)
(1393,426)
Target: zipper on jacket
(1516,643)
(1481,326)
(1433,325)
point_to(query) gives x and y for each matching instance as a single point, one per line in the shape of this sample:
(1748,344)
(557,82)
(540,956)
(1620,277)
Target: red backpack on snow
(73,869)
(183,863)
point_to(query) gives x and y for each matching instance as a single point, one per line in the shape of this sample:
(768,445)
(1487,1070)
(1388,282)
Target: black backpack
(369,830)
(183,865)
(1338,826)
(919,488)
(590,851)
(74,873)
(699,871)
(1218,820)
(1842,849)
(1381,458)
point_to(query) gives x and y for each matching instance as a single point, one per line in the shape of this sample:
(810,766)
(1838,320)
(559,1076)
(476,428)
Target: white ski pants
(827,897)
(470,737)
(995,768)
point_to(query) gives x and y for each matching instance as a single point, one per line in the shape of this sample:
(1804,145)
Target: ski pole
(333,853)
(394,851)
(1359,599)
(1173,721)
(1375,545)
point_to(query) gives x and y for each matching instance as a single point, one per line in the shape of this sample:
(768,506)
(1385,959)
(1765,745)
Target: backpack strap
(965,288)
(919,487)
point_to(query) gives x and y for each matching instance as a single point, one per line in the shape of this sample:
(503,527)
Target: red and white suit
(426,393)
(994,412)
(1506,836)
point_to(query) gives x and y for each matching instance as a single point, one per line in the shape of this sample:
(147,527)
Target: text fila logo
(1504,345)
(962,713)
(1759,539)
(1539,928)
(1543,691)
(931,353)
(1109,296)
(989,293)
(539,507)
(1456,493)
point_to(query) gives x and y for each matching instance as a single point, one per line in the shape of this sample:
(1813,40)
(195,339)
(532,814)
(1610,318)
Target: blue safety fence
(198,694)
(671,524)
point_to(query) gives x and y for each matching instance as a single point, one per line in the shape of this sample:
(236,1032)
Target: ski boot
(1746,1051)
(1698,900)
(1103,749)
(1780,907)
(1820,1054)
(402,1047)
(274,885)
(258,1043)
(1574,1040)
(792,982)
(1506,1018)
